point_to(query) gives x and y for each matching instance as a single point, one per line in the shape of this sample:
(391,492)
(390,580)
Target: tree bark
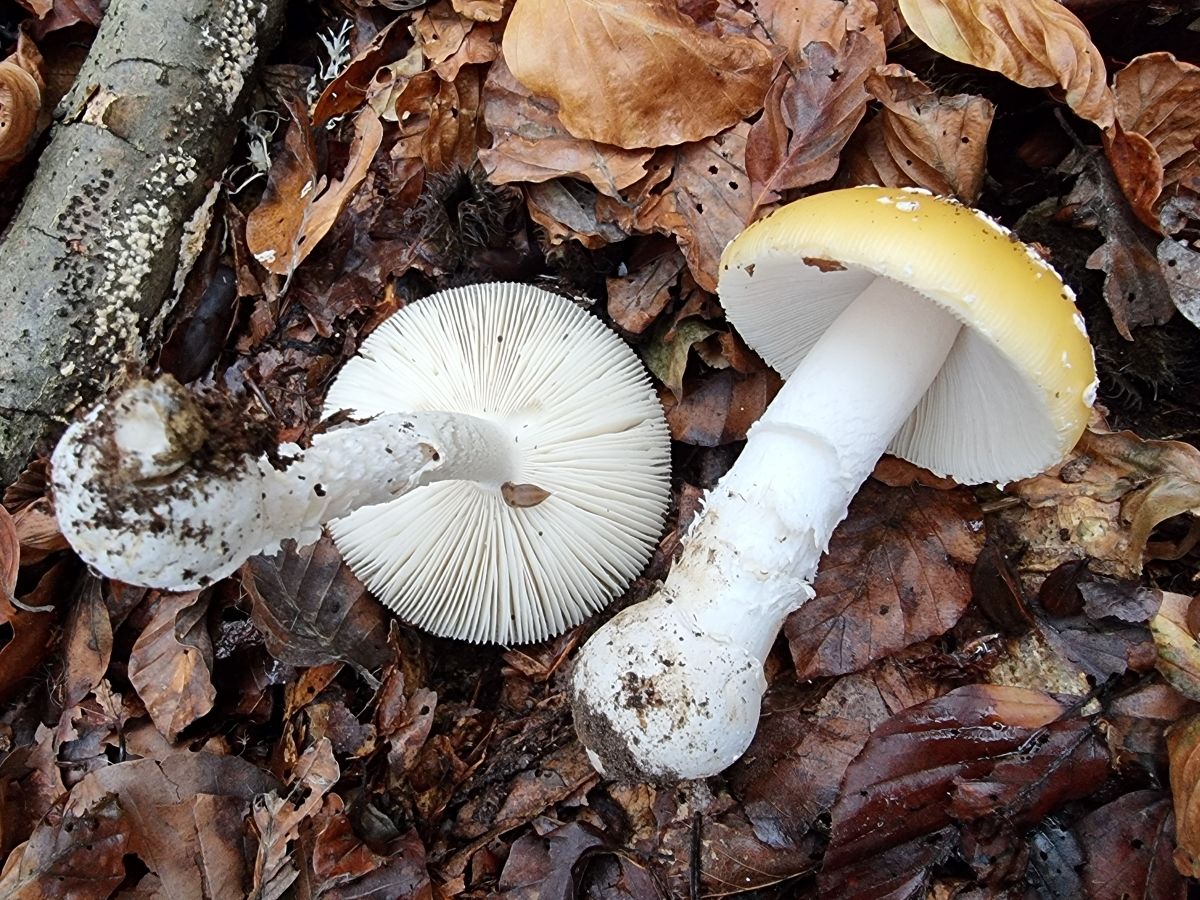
(92,253)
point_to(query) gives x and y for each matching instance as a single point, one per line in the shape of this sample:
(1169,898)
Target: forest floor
(1015,715)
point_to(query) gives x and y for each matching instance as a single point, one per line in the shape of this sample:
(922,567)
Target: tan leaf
(299,207)
(439,120)
(529,143)
(479,10)
(170,665)
(1178,649)
(1158,120)
(20,103)
(809,116)
(567,210)
(1183,744)
(451,41)
(636,299)
(1036,43)
(707,202)
(359,79)
(920,139)
(631,74)
(278,819)
(794,26)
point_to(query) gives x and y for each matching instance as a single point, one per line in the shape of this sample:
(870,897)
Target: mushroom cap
(455,558)
(1016,390)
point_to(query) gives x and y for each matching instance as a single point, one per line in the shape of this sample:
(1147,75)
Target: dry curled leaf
(630,74)
(898,571)
(1152,146)
(1036,43)
(921,139)
(20,103)
(299,206)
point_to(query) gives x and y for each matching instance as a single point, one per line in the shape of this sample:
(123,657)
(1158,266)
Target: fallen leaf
(1135,724)
(564,49)
(452,41)
(981,753)
(38,532)
(635,300)
(170,665)
(543,866)
(299,206)
(794,26)
(1181,266)
(666,353)
(809,115)
(77,854)
(1183,745)
(530,144)
(278,819)
(1055,863)
(439,120)
(358,79)
(706,204)
(898,571)
(921,139)
(311,609)
(1127,845)
(88,643)
(20,106)
(567,210)
(1178,648)
(345,867)
(1036,43)
(33,629)
(720,407)
(1158,102)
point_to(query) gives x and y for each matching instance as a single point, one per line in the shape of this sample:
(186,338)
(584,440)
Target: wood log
(91,255)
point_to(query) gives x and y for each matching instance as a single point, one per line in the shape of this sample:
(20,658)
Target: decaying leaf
(898,571)
(630,74)
(277,820)
(921,139)
(720,407)
(1181,267)
(1037,43)
(809,116)
(345,867)
(1183,744)
(1127,848)
(1152,147)
(530,144)
(312,610)
(170,666)
(635,300)
(1178,648)
(981,753)
(20,104)
(666,353)
(299,205)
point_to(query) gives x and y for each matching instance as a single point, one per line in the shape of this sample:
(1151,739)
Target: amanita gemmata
(504,472)
(902,322)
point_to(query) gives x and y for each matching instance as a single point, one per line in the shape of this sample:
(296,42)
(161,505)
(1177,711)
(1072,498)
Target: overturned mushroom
(903,322)
(506,474)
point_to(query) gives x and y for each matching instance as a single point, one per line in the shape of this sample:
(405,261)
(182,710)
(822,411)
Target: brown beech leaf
(1105,499)
(898,571)
(631,74)
(345,867)
(720,407)
(793,26)
(568,210)
(1153,144)
(982,753)
(299,206)
(10,564)
(1127,848)
(184,815)
(1183,745)
(278,819)
(356,81)
(1181,266)
(439,120)
(792,770)
(88,643)
(809,115)
(312,610)
(72,854)
(170,665)
(1135,724)
(450,40)
(34,629)
(1178,649)
(920,139)
(20,104)
(635,300)
(1037,43)
(706,204)
(529,143)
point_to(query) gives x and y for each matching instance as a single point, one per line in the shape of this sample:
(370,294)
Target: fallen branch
(93,251)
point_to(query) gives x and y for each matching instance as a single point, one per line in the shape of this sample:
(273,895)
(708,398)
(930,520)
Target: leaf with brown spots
(898,570)
(921,139)
(345,867)
(719,407)
(809,116)
(635,300)
(565,50)
(170,666)
(530,144)
(1178,648)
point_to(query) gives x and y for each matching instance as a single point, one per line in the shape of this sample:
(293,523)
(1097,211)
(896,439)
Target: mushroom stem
(146,495)
(671,687)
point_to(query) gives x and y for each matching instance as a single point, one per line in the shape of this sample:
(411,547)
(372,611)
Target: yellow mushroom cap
(1016,390)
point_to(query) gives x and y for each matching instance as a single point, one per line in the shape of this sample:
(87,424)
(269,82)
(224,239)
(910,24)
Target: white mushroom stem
(671,687)
(146,497)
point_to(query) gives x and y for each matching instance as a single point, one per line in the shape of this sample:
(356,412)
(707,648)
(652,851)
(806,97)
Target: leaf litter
(995,690)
